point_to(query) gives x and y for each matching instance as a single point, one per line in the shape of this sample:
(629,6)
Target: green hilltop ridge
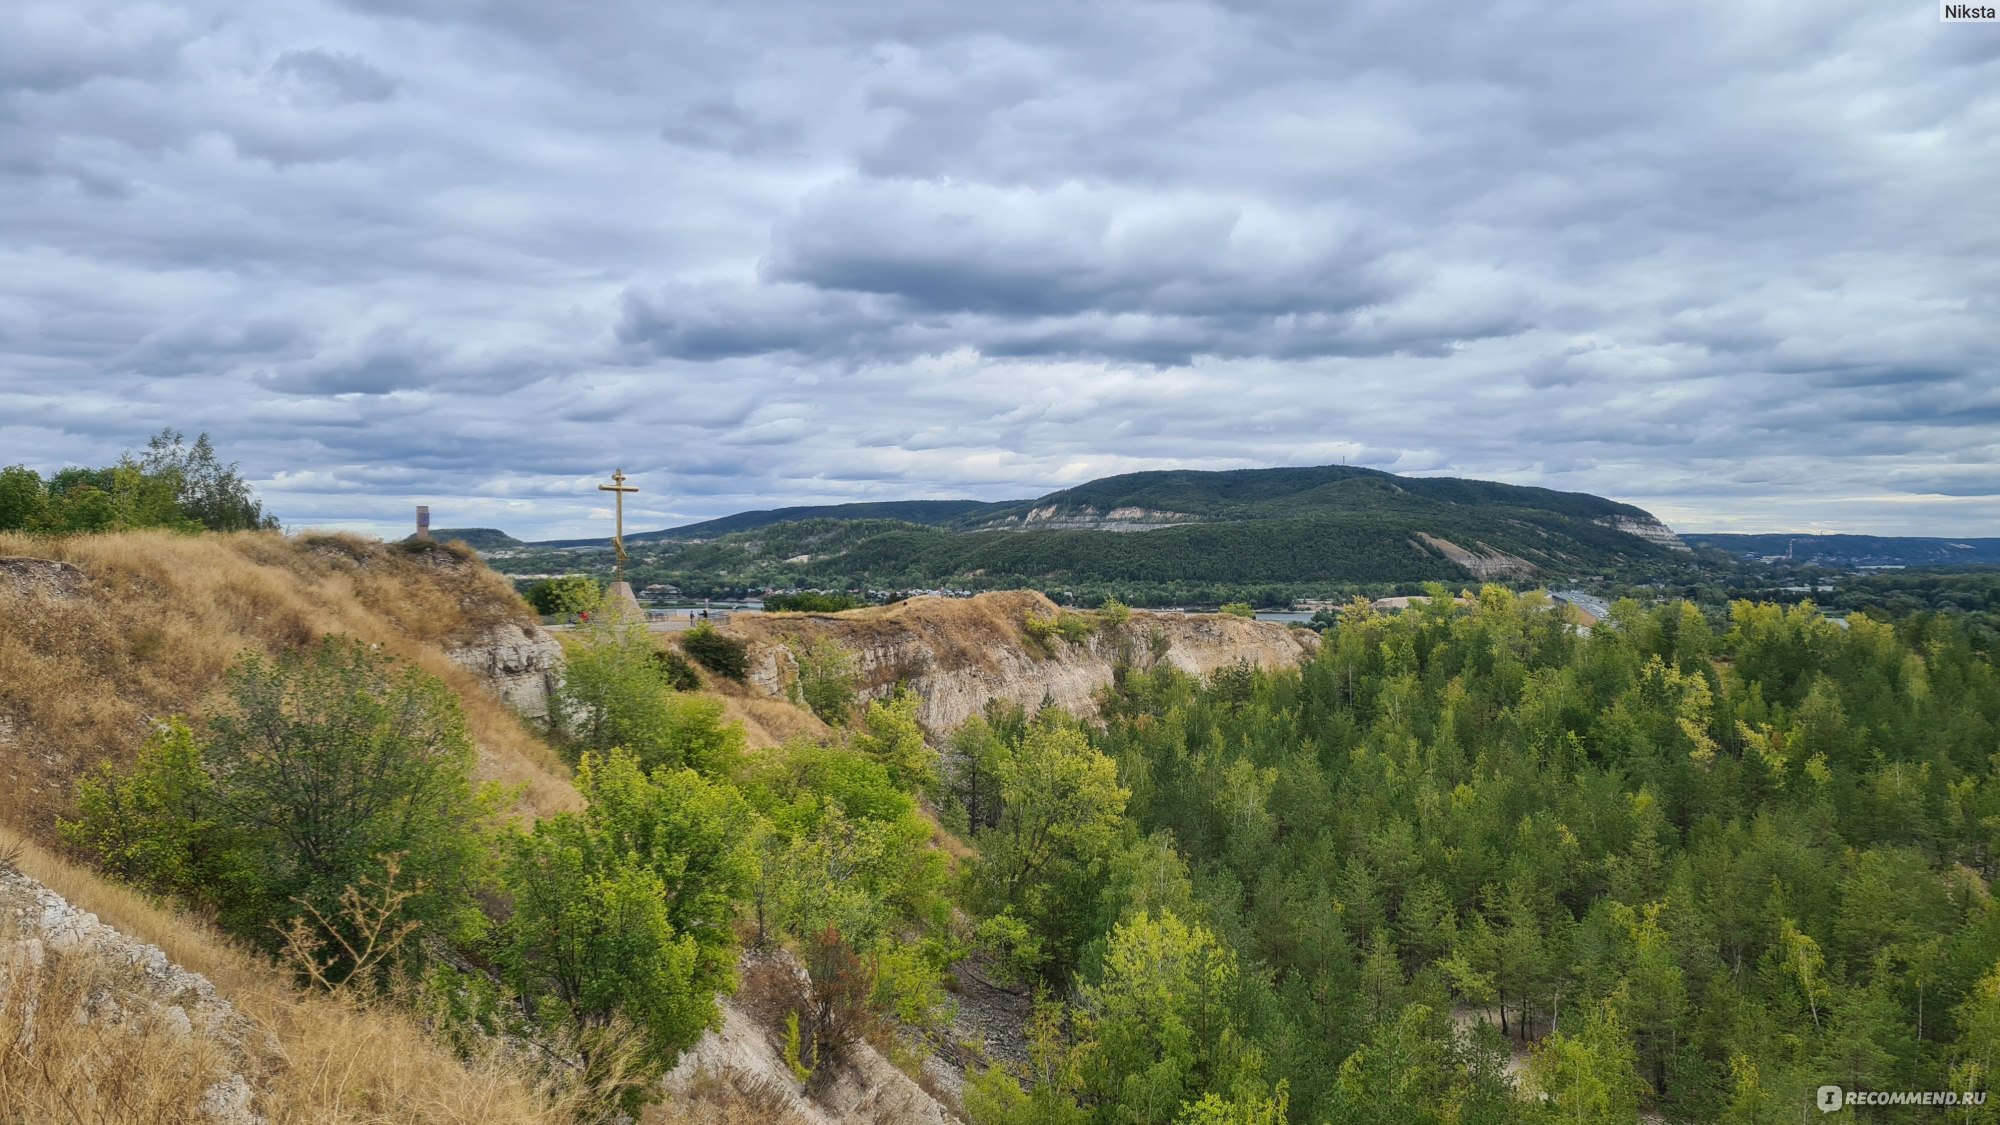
(1259,494)
(478,538)
(1168,534)
(923,512)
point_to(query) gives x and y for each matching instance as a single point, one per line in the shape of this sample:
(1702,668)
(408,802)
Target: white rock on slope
(867,1090)
(955,664)
(35,922)
(1651,530)
(518,661)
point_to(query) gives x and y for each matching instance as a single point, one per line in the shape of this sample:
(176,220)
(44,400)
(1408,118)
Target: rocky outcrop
(1649,529)
(1053,517)
(1482,563)
(138,988)
(46,577)
(744,1055)
(518,661)
(957,653)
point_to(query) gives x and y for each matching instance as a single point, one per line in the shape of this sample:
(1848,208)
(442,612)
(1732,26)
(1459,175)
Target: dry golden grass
(331,1060)
(967,629)
(772,722)
(149,632)
(56,1066)
(907,639)
(162,617)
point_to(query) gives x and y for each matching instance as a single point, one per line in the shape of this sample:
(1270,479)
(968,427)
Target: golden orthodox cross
(618,486)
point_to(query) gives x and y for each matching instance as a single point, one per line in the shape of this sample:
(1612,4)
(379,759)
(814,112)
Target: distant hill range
(929,513)
(1854,550)
(477,538)
(1296,525)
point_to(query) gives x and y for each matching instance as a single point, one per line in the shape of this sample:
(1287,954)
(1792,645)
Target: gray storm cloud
(1727,261)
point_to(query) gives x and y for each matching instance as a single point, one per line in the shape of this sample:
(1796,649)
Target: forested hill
(925,512)
(1262,494)
(478,538)
(1186,531)
(1856,550)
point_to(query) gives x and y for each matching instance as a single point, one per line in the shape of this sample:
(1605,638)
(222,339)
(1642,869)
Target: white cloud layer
(1734,262)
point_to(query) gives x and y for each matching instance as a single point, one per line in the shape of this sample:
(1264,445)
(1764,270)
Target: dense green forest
(1968,595)
(1694,872)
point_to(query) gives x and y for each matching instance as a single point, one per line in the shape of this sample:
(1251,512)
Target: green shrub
(909,979)
(1075,627)
(208,492)
(800,1071)
(1061,815)
(1239,609)
(1014,943)
(676,671)
(1039,630)
(848,846)
(333,774)
(590,947)
(615,692)
(1114,612)
(724,656)
(620,934)
(572,593)
(890,734)
(827,679)
(24,499)
(1072,627)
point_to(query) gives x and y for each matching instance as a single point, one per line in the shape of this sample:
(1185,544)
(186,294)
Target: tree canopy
(172,485)
(1672,865)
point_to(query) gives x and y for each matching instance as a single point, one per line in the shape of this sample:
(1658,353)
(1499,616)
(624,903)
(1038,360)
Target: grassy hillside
(127,629)
(101,637)
(315,1059)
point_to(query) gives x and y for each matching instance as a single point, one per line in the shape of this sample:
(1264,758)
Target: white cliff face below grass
(957,654)
(518,661)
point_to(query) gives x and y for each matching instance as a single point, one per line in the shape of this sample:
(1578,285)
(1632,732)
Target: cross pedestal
(619,601)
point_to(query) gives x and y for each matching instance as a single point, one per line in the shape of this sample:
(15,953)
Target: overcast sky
(1734,261)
